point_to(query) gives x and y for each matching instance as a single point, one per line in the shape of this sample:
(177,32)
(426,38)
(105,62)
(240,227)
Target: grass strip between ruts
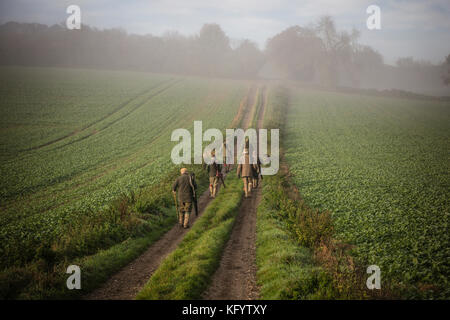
(186,272)
(286,270)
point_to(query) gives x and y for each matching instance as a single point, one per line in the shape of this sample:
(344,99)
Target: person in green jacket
(186,187)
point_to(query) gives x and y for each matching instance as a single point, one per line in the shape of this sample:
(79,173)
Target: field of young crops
(381,166)
(74,140)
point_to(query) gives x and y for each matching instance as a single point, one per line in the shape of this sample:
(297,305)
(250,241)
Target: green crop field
(72,141)
(381,166)
(86,175)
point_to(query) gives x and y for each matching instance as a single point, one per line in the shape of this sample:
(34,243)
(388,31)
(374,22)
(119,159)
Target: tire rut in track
(235,279)
(260,115)
(246,117)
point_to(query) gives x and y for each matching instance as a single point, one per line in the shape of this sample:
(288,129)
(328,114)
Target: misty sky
(418,28)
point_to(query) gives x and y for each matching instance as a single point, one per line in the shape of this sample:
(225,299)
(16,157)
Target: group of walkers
(186,185)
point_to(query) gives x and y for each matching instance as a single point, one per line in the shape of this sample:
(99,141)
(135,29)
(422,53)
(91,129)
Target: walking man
(256,172)
(246,171)
(186,187)
(214,170)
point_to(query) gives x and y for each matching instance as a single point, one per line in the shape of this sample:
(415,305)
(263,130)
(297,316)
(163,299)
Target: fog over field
(317,45)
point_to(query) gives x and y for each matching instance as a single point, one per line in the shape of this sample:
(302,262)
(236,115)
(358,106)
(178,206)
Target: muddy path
(235,279)
(125,284)
(260,115)
(248,111)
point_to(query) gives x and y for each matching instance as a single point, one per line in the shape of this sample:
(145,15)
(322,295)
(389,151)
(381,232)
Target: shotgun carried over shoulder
(194,193)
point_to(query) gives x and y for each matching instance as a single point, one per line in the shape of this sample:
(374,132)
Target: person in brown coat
(186,187)
(214,170)
(246,171)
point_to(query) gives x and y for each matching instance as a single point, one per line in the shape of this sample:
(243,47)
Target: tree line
(319,54)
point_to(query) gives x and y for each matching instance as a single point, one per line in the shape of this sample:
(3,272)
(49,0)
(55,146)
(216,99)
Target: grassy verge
(285,269)
(187,271)
(297,255)
(125,228)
